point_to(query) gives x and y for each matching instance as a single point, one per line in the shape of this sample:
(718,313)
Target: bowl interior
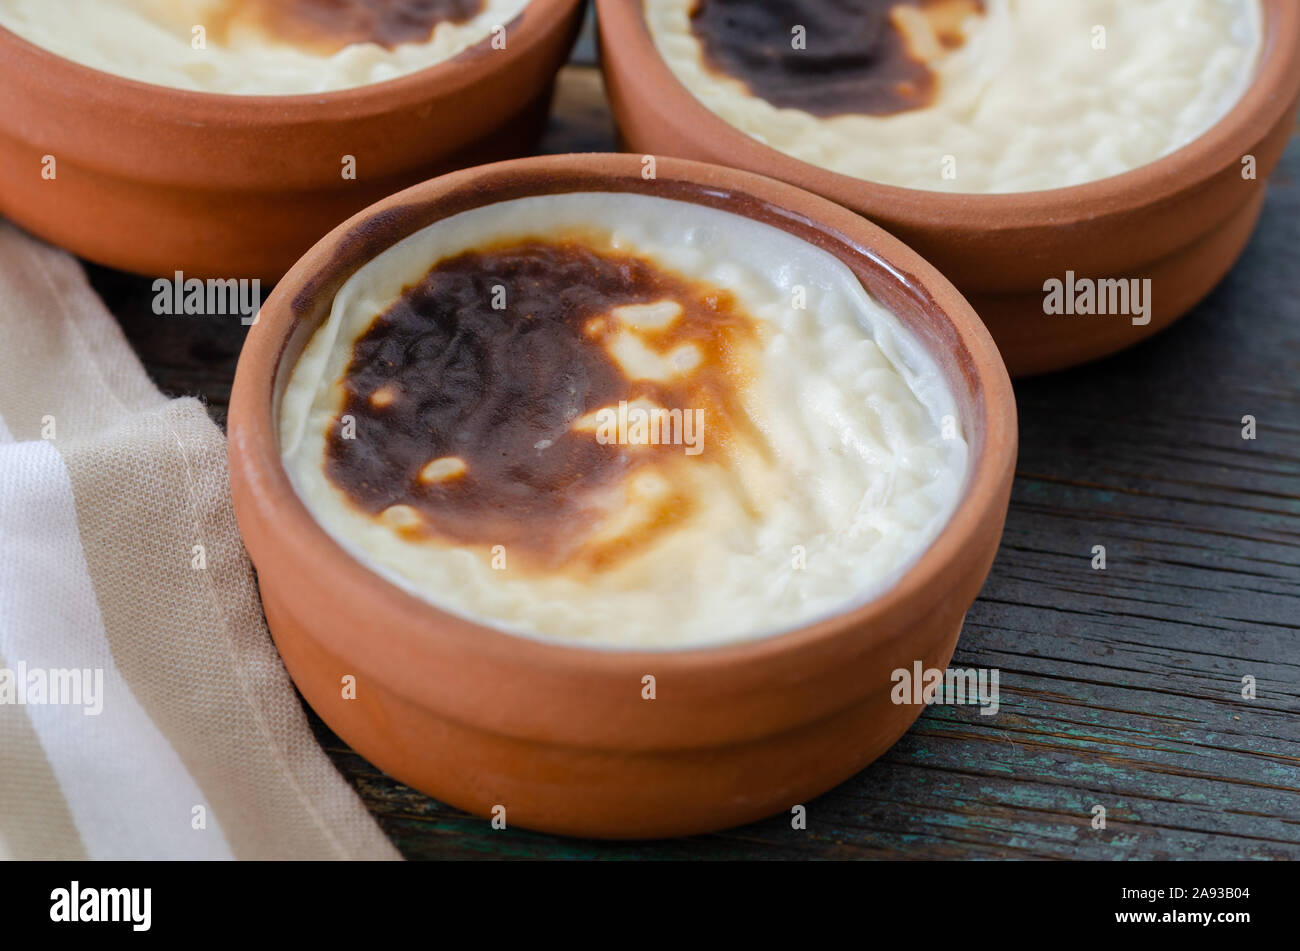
(457,72)
(1222,144)
(921,299)
(887,279)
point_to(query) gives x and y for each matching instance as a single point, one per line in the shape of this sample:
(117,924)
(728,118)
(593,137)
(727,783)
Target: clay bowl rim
(410,620)
(622,26)
(169,104)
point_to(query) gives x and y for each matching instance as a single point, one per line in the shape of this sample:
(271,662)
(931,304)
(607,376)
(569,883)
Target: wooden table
(1120,688)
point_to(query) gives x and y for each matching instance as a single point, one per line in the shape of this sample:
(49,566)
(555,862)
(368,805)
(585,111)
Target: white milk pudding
(621,420)
(965,95)
(257,47)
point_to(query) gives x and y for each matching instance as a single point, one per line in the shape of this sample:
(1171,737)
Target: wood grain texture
(1120,688)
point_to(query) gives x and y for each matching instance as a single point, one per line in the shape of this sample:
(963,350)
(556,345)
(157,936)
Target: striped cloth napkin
(144,712)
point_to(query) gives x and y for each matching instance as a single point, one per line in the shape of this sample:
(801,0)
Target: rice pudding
(982,96)
(258,47)
(621,420)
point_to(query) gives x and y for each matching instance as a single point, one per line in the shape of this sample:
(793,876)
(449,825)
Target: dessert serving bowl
(155,179)
(602,739)
(1179,221)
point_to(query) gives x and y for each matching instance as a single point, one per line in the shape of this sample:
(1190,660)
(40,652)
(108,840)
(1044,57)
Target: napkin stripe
(37,825)
(128,792)
(236,667)
(149,482)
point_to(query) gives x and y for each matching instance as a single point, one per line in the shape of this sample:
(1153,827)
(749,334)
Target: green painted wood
(1119,687)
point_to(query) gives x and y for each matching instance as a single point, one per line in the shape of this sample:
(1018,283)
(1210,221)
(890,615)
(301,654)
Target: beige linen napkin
(144,712)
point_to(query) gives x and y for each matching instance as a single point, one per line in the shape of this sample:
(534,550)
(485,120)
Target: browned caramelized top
(866,57)
(473,424)
(327,26)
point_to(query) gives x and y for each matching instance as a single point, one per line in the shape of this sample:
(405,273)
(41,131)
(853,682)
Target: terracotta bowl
(1181,221)
(153,179)
(560,735)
